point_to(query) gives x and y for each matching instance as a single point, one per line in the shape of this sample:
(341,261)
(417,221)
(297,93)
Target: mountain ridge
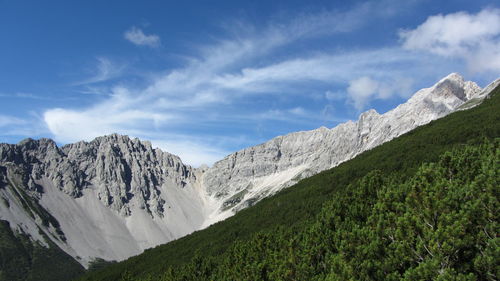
(328,147)
(127,196)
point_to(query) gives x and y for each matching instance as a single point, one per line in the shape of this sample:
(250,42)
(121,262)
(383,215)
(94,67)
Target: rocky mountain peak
(455,85)
(118,193)
(454,76)
(117,167)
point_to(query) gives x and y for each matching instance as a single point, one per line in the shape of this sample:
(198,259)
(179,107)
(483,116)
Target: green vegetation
(23,259)
(440,224)
(99,263)
(276,228)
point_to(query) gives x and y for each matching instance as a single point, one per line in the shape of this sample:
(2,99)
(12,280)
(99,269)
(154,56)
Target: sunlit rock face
(244,177)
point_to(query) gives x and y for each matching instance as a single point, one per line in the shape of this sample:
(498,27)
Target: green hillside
(276,222)
(21,259)
(440,224)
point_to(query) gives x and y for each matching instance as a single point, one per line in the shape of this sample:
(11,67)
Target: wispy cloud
(22,95)
(6,120)
(137,36)
(472,37)
(238,79)
(295,114)
(117,114)
(103,70)
(325,68)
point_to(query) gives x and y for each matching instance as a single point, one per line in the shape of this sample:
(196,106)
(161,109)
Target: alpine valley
(67,208)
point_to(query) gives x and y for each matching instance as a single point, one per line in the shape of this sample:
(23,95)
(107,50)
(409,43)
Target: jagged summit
(452,89)
(110,195)
(454,76)
(118,138)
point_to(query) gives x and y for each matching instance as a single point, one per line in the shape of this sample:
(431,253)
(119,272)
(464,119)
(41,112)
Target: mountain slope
(22,257)
(439,224)
(113,197)
(292,208)
(246,176)
(110,198)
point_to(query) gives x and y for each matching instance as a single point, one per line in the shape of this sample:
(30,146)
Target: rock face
(117,167)
(246,176)
(113,197)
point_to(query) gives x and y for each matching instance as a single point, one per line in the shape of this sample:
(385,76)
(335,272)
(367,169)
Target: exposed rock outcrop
(265,169)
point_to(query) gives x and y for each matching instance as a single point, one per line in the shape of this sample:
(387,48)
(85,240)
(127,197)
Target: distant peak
(114,137)
(29,142)
(369,113)
(26,141)
(453,76)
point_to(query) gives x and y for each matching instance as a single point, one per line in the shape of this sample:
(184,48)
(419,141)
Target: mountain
(113,197)
(110,198)
(424,205)
(246,176)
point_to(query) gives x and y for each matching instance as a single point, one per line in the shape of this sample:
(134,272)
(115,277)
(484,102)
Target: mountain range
(114,197)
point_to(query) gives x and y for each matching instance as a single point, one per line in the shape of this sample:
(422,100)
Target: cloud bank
(472,37)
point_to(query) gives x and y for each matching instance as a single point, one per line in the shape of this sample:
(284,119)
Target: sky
(202,79)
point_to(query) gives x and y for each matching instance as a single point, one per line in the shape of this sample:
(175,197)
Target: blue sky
(201,79)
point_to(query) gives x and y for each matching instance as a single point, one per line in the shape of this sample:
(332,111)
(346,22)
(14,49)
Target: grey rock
(118,167)
(264,169)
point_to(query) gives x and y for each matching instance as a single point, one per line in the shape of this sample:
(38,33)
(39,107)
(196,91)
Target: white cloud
(381,64)
(120,113)
(137,36)
(473,37)
(298,111)
(362,90)
(296,114)
(192,96)
(26,127)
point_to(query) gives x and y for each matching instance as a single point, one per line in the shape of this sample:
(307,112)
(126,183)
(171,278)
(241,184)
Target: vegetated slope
(23,260)
(295,207)
(442,223)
